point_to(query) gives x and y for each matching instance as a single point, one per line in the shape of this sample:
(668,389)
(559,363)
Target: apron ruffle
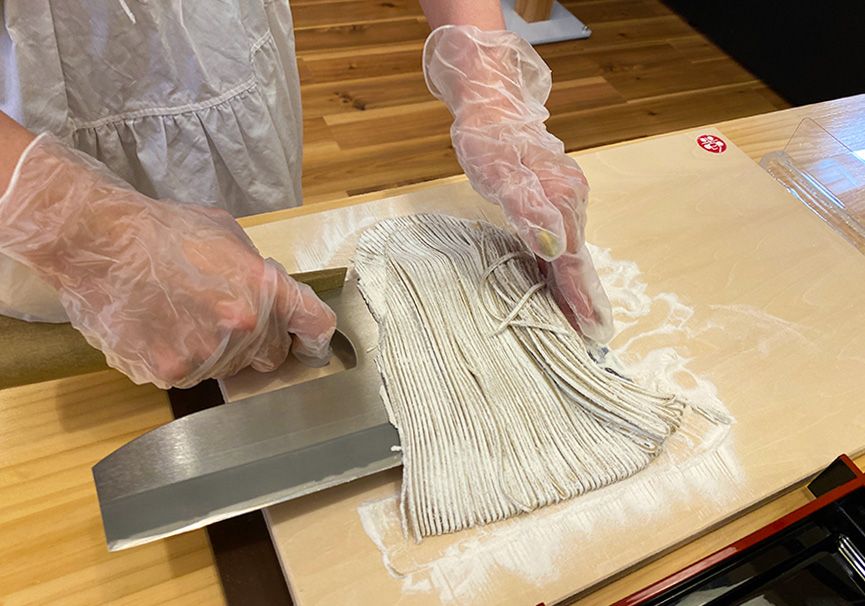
(239,151)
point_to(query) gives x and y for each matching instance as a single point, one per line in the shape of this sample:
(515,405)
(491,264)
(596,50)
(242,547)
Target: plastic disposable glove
(495,85)
(171,293)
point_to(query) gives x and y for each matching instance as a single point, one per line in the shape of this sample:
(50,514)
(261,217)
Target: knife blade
(253,453)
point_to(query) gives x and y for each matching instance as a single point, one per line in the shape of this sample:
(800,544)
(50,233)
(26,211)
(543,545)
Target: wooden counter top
(51,433)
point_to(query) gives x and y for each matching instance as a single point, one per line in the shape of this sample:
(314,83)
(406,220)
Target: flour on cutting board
(697,460)
(781,341)
(457,568)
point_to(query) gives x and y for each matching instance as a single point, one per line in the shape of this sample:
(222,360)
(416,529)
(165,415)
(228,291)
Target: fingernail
(548,245)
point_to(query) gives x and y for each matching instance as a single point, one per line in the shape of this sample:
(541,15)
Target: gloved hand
(495,85)
(171,293)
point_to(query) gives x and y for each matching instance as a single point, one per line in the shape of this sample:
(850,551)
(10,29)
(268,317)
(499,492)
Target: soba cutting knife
(253,453)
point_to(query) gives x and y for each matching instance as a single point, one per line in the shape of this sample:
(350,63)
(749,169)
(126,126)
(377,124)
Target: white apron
(197,101)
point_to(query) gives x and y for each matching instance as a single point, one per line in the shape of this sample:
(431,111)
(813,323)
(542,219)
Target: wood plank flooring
(370,123)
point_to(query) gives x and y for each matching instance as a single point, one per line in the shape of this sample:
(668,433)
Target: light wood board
(773,323)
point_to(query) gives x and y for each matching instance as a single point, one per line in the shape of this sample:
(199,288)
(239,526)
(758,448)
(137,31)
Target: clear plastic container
(826,175)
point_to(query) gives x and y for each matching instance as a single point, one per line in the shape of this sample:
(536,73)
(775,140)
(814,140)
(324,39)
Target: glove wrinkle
(171,293)
(495,86)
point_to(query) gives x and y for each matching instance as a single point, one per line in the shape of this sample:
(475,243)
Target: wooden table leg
(534,10)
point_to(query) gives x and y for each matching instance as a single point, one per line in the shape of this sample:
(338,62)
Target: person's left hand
(495,86)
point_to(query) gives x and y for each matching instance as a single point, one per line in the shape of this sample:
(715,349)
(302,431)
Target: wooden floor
(370,123)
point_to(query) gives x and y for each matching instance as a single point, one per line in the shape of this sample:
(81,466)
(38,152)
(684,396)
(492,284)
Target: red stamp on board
(711,143)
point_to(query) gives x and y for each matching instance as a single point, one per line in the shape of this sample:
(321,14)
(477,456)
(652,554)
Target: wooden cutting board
(741,291)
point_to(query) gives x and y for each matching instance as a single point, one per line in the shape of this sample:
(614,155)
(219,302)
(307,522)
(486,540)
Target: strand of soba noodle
(499,407)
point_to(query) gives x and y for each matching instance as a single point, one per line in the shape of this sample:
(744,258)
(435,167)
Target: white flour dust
(536,547)
(661,368)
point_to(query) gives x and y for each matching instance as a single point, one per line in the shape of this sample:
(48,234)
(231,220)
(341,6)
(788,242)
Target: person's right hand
(495,85)
(171,293)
